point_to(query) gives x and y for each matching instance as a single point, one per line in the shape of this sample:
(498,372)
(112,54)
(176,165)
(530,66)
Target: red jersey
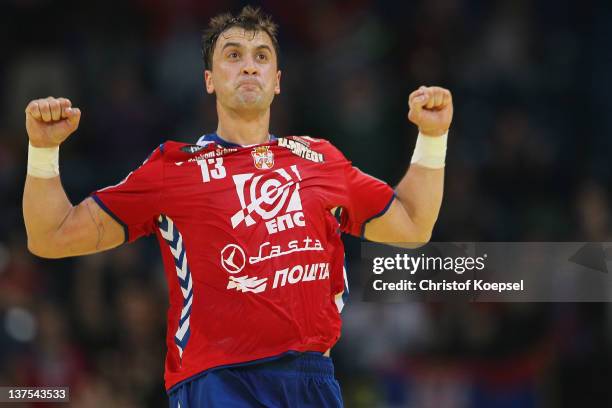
(252,253)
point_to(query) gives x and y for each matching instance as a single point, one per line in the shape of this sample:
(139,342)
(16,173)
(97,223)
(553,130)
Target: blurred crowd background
(528,160)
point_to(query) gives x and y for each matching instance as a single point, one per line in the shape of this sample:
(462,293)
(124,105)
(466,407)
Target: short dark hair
(250,19)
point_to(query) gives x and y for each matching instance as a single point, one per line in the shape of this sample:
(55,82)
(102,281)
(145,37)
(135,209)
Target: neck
(243,128)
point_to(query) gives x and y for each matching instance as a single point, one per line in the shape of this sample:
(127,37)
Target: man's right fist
(50,121)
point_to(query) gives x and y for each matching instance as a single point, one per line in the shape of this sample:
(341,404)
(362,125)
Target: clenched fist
(50,121)
(431,109)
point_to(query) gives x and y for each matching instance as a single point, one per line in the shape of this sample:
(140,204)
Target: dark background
(528,160)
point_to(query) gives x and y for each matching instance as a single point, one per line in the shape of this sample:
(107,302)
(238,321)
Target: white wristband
(43,162)
(430,151)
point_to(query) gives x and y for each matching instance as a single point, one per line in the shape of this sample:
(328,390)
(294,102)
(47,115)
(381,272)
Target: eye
(262,57)
(232,55)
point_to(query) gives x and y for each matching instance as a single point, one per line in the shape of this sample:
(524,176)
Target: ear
(210,88)
(277,85)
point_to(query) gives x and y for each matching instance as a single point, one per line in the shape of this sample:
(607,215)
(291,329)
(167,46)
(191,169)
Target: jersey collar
(215,138)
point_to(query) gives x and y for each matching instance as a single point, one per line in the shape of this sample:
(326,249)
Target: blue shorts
(295,381)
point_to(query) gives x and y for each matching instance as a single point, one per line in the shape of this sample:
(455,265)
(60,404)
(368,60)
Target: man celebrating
(246,226)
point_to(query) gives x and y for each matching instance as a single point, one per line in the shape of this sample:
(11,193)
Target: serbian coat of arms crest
(263,157)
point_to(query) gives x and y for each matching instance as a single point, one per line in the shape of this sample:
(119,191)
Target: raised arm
(55,228)
(412,215)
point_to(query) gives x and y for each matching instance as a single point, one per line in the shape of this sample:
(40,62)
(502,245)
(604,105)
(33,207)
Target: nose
(249,68)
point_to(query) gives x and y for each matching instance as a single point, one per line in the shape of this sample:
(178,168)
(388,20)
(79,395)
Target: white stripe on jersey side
(174,239)
(338,298)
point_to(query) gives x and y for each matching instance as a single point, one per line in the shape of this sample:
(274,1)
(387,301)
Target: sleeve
(365,197)
(135,201)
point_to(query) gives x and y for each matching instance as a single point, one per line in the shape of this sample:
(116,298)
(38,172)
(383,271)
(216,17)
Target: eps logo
(273,197)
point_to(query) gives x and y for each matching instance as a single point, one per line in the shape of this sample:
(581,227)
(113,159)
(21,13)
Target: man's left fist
(431,109)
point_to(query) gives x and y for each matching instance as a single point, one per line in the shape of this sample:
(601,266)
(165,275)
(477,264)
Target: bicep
(87,229)
(394,227)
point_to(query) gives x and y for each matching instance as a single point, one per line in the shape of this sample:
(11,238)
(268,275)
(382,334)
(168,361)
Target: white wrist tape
(43,162)
(430,151)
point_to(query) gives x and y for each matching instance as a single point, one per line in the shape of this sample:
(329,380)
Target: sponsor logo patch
(247,284)
(192,149)
(233,260)
(267,251)
(273,197)
(301,148)
(219,151)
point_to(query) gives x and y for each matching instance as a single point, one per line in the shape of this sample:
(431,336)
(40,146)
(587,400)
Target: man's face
(244,73)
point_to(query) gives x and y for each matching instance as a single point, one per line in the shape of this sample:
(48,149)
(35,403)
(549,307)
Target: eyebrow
(238,45)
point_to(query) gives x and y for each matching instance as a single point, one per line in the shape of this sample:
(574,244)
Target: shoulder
(154,158)
(156,154)
(168,151)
